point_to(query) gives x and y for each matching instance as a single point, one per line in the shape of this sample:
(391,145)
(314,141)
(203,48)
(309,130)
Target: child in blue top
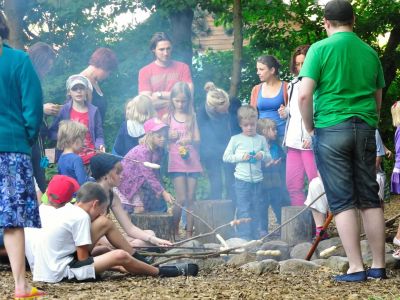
(271,187)
(70,139)
(247,150)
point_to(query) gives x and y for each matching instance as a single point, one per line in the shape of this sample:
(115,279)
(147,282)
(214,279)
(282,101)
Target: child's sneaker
(182,269)
(318,230)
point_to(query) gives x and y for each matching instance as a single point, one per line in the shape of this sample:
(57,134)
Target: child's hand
(306,144)
(168,197)
(184,141)
(388,153)
(282,112)
(102,148)
(259,155)
(159,242)
(173,135)
(273,162)
(246,157)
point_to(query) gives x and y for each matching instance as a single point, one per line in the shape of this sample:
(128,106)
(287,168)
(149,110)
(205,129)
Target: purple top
(95,123)
(397,146)
(134,175)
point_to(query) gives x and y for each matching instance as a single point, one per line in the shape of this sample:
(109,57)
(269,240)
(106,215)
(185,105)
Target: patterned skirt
(18,205)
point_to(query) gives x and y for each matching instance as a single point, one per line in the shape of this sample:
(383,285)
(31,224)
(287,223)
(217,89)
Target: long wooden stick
(319,237)
(213,231)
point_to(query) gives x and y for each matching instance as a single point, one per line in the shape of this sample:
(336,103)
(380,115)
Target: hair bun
(209,86)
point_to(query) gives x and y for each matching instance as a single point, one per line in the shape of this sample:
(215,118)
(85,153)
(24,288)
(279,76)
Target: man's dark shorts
(345,155)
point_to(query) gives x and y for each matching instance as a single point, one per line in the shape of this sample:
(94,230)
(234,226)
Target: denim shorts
(345,155)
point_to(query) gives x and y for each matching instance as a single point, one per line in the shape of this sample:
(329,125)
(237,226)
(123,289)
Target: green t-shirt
(347,73)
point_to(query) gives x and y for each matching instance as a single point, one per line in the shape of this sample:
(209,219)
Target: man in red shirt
(157,78)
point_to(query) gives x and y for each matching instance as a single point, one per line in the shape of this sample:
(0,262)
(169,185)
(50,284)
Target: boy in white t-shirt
(64,252)
(60,191)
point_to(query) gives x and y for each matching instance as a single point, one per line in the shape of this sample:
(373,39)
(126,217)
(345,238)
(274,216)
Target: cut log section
(300,229)
(215,213)
(161,223)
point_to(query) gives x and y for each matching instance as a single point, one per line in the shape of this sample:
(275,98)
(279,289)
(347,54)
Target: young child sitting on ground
(141,189)
(272,182)
(137,111)
(70,139)
(106,170)
(247,150)
(59,192)
(64,252)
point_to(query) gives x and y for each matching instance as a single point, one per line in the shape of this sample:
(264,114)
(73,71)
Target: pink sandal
(396,254)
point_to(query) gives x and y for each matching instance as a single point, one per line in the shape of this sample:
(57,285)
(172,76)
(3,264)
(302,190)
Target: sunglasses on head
(78,87)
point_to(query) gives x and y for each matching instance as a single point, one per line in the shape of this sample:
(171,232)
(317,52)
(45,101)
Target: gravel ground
(223,283)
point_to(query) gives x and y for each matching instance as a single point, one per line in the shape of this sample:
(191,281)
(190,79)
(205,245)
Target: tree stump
(300,229)
(161,223)
(215,213)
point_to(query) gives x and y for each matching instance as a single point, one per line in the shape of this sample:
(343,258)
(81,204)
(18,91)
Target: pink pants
(299,162)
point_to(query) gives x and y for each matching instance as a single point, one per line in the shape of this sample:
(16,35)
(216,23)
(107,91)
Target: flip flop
(396,254)
(34,294)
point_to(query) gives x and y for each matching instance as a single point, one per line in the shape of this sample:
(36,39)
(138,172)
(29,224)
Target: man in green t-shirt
(340,98)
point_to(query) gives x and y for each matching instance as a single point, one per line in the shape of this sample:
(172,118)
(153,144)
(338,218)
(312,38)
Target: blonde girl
(140,189)
(70,139)
(137,111)
(183,159)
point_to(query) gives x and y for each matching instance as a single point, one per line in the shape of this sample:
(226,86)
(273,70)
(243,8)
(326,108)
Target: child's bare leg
(319,218)
(103,226)
(180,196)
(191,194)
(122,258)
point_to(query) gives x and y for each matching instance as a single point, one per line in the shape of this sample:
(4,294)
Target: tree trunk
(181,24)
(237,48)
(391,57)
(15,11)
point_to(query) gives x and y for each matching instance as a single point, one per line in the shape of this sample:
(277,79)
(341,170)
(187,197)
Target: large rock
(365,250)
(337,263)
(334,241)
(320,262)
(261,267)
(301,250)
(192,244)
(241,259)
(391,262)
(295,265)
(283,247)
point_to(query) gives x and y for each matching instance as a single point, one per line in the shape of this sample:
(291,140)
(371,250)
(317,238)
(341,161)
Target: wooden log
(300,229)
(215,213)
(161,223)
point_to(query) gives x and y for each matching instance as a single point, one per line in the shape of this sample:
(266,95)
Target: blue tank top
(268,109)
